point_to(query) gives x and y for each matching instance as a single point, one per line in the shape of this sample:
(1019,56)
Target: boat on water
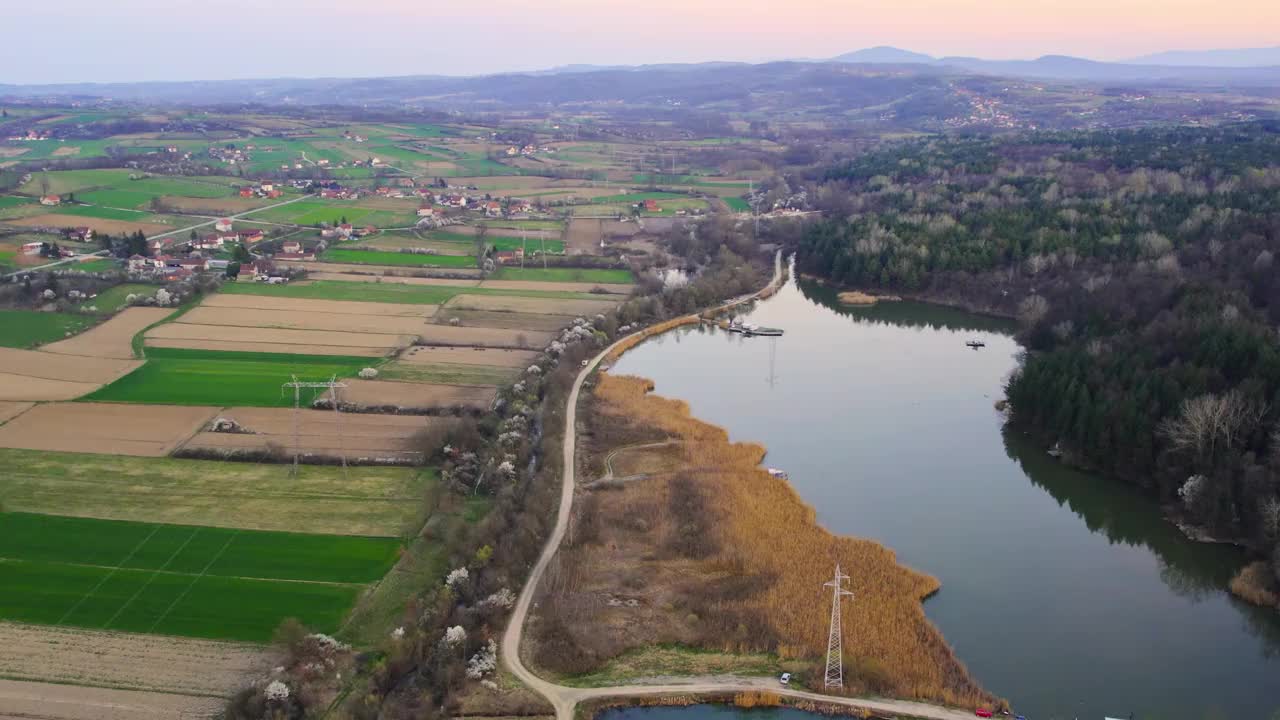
(751,329)
(780,474)
(975,344)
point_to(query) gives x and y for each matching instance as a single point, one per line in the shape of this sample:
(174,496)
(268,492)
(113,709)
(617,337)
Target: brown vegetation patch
(493,357)
(395,243)
(324,268)
(66,150)
(484,337)
(99,225)
(1256,584)
(117,429)
(24,387)
(857,297)
(20,700)
(273,340)
(10,410)
(584,236)
(113,338)
(126,660)
(290,349)
(541,306)
(398,279)
(12,152)
(730,560)
(300,320)
(57,366)
(336,307)
(416,396)
(321,434)
(210,206)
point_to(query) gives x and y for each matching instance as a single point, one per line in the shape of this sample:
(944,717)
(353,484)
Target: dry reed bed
(767,530)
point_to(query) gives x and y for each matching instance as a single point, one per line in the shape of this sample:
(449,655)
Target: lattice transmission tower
(835,648)
(332,386)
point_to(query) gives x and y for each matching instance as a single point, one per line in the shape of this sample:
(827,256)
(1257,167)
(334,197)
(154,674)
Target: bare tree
(1032,310)
(1207,422)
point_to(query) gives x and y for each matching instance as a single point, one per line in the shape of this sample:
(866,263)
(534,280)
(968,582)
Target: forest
(1141,266)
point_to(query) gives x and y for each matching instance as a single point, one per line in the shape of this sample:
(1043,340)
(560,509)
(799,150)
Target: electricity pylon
(332,386)
(835,649)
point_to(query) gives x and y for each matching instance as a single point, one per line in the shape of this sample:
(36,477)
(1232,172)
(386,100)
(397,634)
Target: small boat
(775,472)
(975,344)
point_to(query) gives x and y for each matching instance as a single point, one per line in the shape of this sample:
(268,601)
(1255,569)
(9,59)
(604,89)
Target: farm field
(304,319)
(427,355)
(447,373)
(517,338)
(507,320)
(371,271)
(430,292)
(324,433)
(274,340)
(394,243)
(592,288)
(217,378)
(142,430)
(36,375)
(63,701)
(113,299)
(538,305)
(737,204)
(113,338)
(180,580)
(416,395)
(28,328)
(574,275)
(10,409)
(99,225)
(373,501)
(124,661)
(374,211)
(375,257)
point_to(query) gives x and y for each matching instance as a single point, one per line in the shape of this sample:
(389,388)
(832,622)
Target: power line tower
(332,386)
(835,648)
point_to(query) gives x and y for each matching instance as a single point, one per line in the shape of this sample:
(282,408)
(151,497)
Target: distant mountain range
(1247,57)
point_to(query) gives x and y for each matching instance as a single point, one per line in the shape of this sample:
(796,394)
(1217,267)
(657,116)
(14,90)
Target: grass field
(27,328)
(501,242)
(8,201)
(387,292)
(101,265)
(112,299)
(737,204)
(208,377)
(117,198)
(106,213)
(372,501)
(447,373)
(378,257)
(180,579)
(564,275)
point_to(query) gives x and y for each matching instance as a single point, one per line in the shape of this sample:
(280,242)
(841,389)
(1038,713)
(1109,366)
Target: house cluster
(337,192)
(295,251)
(220,239)
(172,268)
(230,154)
(346,231)
(80,234)
(261,190)
(502,257)
(528,150)
(30,135)
(348,135)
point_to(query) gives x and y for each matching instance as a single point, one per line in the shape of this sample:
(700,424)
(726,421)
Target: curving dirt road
(563,698)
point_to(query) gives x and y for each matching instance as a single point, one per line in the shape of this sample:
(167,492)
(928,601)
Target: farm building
(505,256)
(291,246)
(250,237)
(50,200)
(651,206)
(345,230)
(32,248)
(426,211)
(493,208)
(222,225)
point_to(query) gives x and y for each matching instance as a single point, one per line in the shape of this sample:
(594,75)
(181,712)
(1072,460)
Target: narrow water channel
(1064,592)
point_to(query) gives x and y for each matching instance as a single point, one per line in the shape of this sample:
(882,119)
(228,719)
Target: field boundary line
(154,574)
(195,579)
(107,686)
(109,575)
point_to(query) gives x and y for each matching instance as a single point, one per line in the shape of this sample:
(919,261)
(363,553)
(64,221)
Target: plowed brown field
(494,357)
(509,320)
(401,279)
(11,410)
(99,225)
(271,338)
(322,433)
(612,288)
(417,396)
(541,306)
(291,349)
(298,320)
(49,701)
(126,660)
(54,366)
(113,338)
(334,307)
(145,430)
(489,337)
(24,387)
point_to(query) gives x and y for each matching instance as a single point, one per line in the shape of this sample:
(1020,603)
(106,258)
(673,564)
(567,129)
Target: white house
(222,225)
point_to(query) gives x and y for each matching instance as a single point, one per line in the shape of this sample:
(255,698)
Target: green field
(737,204)
(379,257)
(106,213)
(8,201)
(101,265)
(27,328)
(117,198)
(500,242)
(371,501)
(112,299)
(585,275)
(180,579)
(206,377)
(447,373)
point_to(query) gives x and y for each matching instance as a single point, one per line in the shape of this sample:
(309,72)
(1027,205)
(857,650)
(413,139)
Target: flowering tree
(483,662)
(457,577)
(455,636)
(276,691)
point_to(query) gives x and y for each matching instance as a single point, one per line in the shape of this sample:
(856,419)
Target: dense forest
(1141,265)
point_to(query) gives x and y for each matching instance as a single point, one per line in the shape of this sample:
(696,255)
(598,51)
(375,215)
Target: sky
(137,40)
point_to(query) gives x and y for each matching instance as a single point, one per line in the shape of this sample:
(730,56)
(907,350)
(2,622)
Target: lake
(1064,592)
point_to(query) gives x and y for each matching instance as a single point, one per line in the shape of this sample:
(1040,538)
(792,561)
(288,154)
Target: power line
(332,386)
(835,646)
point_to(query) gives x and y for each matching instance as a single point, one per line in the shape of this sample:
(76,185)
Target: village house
(193,264)
(426,211)
(296,256)
(651,206)
(175,274)
(249,237)
(345,230)
(32,248)
(246,192)
(505,256)
(517,207)
(80,234)
(138,263)
(157,245)
(328,233)
(211,241)
(50,200)
(222,225)
(291,246)
(493,208)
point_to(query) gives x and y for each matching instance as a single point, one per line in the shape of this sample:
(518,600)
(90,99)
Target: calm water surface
(1066,593)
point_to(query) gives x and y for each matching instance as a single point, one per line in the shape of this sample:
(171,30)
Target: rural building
(50,200)
(651,206)
(426,211)
(176,274)
(246,192)
(268,187)
(505,256)
(328,233)
(158,244)
(222,225)
(193,264)
(291,246)
(296,256)
(32,248)
(493,208)
(517,207)
(345,230)
(250,237)
(138,263)
(80,234)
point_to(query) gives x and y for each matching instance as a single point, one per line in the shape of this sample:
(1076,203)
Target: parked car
(785,679)
(982,712)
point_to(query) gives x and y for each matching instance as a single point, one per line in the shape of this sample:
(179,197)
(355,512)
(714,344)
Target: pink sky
(93,40)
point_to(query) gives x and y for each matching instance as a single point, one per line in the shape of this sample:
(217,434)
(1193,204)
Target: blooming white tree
(163,297)
(369,373)
(276,691)
(455,636)
(457,577)
(534,370)
(398,633)
(503,599)
(507,468)
(1191,490)
(483,662)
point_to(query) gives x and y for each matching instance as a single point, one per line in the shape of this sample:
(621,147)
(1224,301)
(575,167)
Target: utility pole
(332,386)
(835,646)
